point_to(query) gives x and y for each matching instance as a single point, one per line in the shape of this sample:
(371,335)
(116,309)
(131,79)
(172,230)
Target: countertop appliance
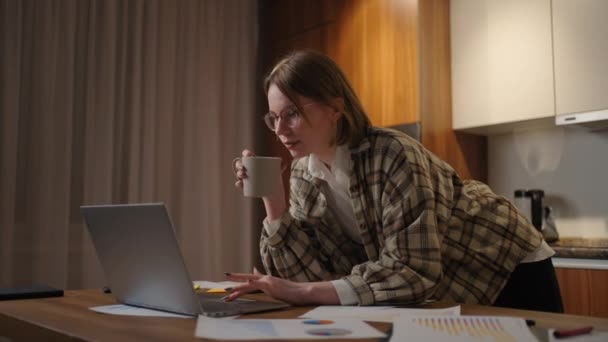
(530,203)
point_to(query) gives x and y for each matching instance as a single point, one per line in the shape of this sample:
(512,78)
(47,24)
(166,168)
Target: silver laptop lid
(140,256)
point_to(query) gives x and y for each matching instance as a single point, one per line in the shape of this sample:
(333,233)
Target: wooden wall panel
(289,18)
(317,38)
(373,41)
(467,153)
(584,291)
(376,46)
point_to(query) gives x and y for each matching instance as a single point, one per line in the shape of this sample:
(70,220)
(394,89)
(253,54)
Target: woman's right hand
(240,170)
(275,204)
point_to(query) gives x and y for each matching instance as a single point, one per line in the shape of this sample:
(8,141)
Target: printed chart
(463,328)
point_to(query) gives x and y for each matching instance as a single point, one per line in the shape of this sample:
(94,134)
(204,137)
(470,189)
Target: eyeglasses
(290,116)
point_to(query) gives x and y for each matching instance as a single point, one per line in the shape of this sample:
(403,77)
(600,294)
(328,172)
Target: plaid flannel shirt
(426,234)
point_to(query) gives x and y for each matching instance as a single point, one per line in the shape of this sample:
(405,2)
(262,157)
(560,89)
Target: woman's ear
(338,106)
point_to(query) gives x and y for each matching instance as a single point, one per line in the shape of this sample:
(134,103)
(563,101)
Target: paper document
(461,329)
(128,310)
(387,314)
(204,284)
(270,329)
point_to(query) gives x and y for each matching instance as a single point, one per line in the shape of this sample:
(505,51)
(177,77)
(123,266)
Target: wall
(570,164)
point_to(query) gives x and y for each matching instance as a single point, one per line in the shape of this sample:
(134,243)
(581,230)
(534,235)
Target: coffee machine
(530,203)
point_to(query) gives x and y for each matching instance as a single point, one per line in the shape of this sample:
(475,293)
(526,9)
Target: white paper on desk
(128,310)
(387,314)
(271,329)
(204,284)
(461,329)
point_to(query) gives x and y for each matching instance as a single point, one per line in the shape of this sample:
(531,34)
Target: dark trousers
(532,286)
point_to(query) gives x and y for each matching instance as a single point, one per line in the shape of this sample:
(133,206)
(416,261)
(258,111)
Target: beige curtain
(121,102)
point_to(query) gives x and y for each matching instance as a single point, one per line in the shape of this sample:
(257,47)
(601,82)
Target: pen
(572,332)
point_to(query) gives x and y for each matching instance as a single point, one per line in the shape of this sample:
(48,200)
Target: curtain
(128,101)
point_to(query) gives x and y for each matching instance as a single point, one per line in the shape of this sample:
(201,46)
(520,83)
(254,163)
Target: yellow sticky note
(216,290)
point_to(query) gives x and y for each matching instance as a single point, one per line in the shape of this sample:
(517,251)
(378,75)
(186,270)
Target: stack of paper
(461,329)
(388,314)
(270,329)
(128,310)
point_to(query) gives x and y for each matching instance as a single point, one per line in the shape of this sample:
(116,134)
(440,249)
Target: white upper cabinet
(502,63)
(580,36)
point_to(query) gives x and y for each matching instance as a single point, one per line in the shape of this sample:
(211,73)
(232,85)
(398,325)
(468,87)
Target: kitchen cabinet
(518,63)
(501,62)
(581,55)
(584,291)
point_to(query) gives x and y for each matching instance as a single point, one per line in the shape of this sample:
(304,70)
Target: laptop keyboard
(215,303)
(235,303)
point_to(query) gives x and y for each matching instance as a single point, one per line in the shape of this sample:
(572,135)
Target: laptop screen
(140,256)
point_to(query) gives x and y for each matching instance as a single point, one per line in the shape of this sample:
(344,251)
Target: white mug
(263,175)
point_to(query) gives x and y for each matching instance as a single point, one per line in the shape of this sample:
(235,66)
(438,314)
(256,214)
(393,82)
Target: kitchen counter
(580,248)
(587,264)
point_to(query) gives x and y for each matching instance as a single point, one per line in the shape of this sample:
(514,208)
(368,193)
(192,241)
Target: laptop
(144,267)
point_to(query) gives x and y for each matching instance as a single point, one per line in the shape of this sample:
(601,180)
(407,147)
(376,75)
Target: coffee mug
(263,175)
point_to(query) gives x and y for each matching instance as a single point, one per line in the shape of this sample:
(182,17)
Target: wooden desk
(68,319)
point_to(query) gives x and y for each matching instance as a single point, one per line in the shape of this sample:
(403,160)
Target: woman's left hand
(285,290)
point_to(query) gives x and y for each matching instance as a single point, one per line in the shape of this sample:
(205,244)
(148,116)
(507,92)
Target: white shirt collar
(340,166)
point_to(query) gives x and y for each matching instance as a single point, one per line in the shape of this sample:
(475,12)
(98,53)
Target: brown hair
(314,75)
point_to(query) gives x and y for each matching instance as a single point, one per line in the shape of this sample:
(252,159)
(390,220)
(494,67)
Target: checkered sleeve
(293,251)
(408,266)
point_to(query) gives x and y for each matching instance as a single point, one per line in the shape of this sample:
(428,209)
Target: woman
(374,217)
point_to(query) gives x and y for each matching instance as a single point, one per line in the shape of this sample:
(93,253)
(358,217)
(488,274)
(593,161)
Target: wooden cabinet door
(580,33)
(501,61)
(584,291)
(375,42)
(377,46)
